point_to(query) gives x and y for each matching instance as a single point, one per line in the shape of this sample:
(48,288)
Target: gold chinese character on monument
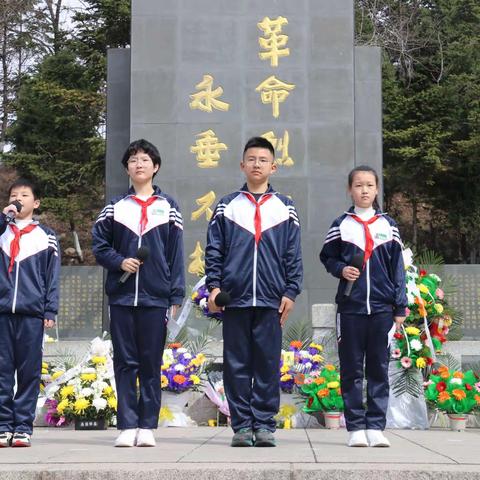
(207,148)
(280,145)
(207,99)
(205,203)
(274,91)
(273,42)
(197,265)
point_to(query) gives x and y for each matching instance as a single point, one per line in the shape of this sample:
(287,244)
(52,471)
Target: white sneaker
(145,438)
(357,439)
(376,438)
(127,438)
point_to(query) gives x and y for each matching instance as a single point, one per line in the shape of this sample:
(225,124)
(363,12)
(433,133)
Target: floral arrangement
(453,391)
(200,300)
(411,349)
(323,391)
(48,375)
(180,369)
(86,391)
(295,361)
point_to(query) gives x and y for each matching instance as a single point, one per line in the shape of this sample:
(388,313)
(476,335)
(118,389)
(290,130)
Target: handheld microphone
(357,262)
(222,299)
(11,214)
(142,255)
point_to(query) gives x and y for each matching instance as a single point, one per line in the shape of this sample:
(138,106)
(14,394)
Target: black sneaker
(5,439)
(21,439)
(243,438)
(264,438)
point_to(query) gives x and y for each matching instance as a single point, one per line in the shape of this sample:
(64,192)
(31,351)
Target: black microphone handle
(348,288)
(124,277)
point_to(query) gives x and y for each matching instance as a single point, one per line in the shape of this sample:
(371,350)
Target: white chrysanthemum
(179,367)
(99,347)
(89,370)
(187,356)
(457,381)
(181,350)
(86,392)
(99,385)
(203,303)
(308,365)
(416,345)
(304,353)
(99,403)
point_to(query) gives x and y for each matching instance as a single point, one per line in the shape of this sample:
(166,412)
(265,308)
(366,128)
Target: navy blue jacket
(32,287)
(160,281)
(254,275)
(381,285)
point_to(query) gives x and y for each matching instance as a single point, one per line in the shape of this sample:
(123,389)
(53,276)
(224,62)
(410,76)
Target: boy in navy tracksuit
(366,318)
(253,252)
(29,272)
(143,217)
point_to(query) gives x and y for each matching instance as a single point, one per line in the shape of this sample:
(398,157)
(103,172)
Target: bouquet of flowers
(200,301)
(49,374)
(86,391)
(323,391)
(180,369)
(411,349)
(453,391)
(295,362)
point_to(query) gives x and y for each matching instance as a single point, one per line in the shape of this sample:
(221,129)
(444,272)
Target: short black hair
(25,182)
(259,142)
(145,146)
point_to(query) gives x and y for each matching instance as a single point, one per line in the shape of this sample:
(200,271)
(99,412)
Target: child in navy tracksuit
(143,217)
(29,272)
(253,252)
(366,318)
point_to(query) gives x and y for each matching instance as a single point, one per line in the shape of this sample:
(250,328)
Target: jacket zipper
(15,291)
(369,310)
(254,304)
(137,274)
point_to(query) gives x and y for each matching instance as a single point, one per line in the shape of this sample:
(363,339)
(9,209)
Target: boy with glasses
(253,252)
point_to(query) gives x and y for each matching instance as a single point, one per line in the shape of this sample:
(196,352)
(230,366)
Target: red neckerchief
(144,204)
(15,245)
(368,235)
(258,217)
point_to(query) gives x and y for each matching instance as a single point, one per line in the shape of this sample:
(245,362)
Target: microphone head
(222,299)
(18,205)
(357,261)
(143,253)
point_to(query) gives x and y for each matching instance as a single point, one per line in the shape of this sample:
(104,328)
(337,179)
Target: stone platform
(204,453)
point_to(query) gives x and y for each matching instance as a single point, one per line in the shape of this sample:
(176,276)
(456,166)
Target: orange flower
(323,392)
(180,379)
(173,346)
(442,368)
(477,399)
(443,397)
(459,394)
(319,380)
(299,379)
(296,344)
(421,306)
(444,374)
(458,375)
(330,367)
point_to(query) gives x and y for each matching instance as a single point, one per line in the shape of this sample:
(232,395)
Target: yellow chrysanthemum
(62,406)
(112,402)
(412,331)
(286,377)
(194,295)
(108,390)
(438,307)
(333,384)
(423,288)
(55,375)
(99,360)
(421,362)
(317,346)
(44,365)
(67,390)
(164,380)
(317,358)
(44,371)
(284,369)
(195,379)
(88,377)
(166,366)
(80,405)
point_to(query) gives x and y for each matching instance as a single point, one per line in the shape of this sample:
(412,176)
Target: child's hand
(130,265)
(11,208)
(48,323)
(350,273)
(212,306)
(399,322)
(286,306)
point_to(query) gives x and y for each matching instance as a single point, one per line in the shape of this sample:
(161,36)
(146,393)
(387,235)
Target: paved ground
(204,453)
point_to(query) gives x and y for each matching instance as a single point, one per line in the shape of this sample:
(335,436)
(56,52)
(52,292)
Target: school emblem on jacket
(157,211)
(380,236)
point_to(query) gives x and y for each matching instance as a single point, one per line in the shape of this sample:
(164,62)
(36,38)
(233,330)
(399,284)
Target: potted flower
(85,393)
(455,393)
(181,371)
(323,392)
